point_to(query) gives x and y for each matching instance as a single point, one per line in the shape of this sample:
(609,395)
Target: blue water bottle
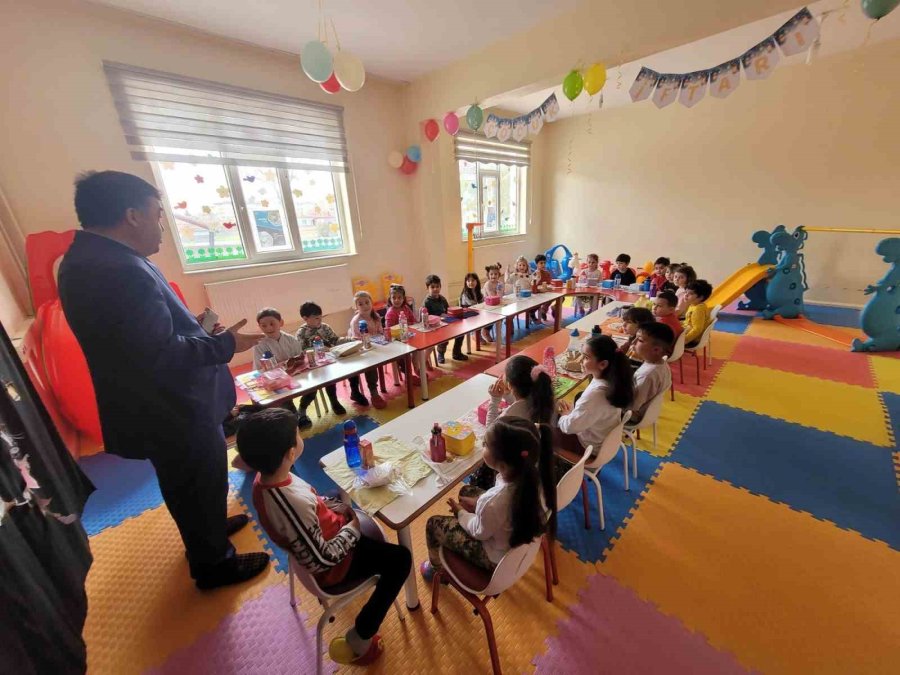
(351,444)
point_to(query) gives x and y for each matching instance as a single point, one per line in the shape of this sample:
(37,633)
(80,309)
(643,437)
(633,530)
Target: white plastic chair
(675,356)
(701,344)
(608,451)
(713,316)
(654,410)
(567,489)
(478,586)
(331,602)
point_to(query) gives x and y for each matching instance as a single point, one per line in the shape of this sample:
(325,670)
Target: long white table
(511,305)
(401,513)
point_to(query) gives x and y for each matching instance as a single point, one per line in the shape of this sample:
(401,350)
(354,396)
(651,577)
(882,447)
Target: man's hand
(244,341)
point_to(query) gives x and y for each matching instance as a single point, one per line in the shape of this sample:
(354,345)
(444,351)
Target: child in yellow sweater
(696,319)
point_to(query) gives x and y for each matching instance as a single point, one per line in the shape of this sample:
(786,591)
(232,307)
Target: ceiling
(841,31)
(396,39)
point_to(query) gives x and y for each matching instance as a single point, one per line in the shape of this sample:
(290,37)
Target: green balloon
(877,9)
(572,85)
(474,117)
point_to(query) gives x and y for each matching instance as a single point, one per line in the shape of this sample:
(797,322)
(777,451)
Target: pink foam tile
(265,636)
(822,362)
(611,630)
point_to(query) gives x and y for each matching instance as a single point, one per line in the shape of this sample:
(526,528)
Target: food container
(459,438)
(434,320)
(273,380)
(396,332)
(608,283)
(485,406)
(311,358)
(492,300)
(455,312)
(557,283)
(524,293)
(366,453)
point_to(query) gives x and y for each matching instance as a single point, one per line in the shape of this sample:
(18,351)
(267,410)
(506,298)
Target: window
(247,177)
(493,185)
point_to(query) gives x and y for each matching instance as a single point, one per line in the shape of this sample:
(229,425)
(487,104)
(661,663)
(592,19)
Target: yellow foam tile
(723,344)
(837,407)
(674,418)
(772,330)
(887,373)
(142,602)
(782,591)
(453,640)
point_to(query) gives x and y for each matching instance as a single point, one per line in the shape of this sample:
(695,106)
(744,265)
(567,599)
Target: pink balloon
(451,123)
(432,129)
(408,167)
(331,85)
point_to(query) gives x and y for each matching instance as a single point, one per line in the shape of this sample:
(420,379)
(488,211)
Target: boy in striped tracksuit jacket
(335,544)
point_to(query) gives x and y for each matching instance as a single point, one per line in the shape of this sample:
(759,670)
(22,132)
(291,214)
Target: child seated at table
(599,409)
(592,275)
(696,319)
(399,305)
(472,295)
(493,287)
(683,276)
(520,276)
(632,319)
(334,543)
(485,525)
(365,311)
(664,309)
(654,341)
(282,346)
(670,277)
(542,276)
(314,328)
(660,265)
(437,305)
(623,273)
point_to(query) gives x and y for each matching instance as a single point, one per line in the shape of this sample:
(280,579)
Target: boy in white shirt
(281,345)
(653,342)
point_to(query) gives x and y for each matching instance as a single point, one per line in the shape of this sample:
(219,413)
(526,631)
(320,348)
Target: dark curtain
(44,553)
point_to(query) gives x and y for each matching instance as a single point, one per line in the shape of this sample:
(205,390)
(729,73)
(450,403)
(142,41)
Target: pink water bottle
(550,361)
(437,446)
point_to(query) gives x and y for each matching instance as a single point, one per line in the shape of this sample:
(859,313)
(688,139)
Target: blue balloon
(316,61)
(414,152)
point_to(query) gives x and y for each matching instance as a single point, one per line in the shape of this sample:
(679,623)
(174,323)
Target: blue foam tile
(892,403)
(307,467)
(733,323)
(125,489)
(833,316)
(835,478)
(591,544)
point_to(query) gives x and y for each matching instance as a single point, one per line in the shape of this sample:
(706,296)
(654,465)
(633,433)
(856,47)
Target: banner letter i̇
(761,65)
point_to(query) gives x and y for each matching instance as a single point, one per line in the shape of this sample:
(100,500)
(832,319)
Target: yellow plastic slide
(735,285)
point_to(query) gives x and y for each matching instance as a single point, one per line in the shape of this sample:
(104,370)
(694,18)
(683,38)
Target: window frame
(523,186)
(343,197)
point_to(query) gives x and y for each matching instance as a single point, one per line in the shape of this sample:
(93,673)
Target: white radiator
(328,287)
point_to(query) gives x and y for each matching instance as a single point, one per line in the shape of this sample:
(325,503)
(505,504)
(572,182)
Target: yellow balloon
(595,78)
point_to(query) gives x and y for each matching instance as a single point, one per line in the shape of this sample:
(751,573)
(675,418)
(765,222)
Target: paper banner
(550,108)
(491,126)
(535,122)
(725,78)
(520,128)
(667,89)
(693,88)
(643,84)
(760,61)
(504,131)
(798,33)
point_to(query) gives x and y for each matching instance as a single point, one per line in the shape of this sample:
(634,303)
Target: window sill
(297,263)
(497,240)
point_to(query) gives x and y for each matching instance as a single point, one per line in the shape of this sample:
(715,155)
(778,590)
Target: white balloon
(395,159)
(349,71)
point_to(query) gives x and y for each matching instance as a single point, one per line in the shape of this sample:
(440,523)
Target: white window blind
(474,148)
(171,118)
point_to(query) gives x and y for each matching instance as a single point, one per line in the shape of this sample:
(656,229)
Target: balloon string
(869,32)
(334,30)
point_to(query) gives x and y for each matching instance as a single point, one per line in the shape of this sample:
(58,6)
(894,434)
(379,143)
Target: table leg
(509,334)
(408,370)
(412,592)
(422,356)
(498,328)
(557,313)
(595,302)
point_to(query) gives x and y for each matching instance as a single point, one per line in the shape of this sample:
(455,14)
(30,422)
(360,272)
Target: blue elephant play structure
(880,318)
(559,268)
(787,280)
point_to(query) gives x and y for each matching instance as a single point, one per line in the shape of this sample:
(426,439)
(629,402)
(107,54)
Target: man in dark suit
(162,384)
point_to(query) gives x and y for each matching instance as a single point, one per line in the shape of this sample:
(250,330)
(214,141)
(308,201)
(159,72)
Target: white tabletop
(511,305)
(450,405)
(588,321)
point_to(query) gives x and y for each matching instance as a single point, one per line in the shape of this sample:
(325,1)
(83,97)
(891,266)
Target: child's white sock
(357,644)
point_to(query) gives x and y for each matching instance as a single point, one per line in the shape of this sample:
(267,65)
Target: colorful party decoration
(414,153)
(451,123)
(408,167)
(316,61)
(573,85)
(395,159)
(432,129)
(349,71)
(797,35)
(474,117)
(594,79)
(331,85)
(505,127)
(199,178)
(878,9)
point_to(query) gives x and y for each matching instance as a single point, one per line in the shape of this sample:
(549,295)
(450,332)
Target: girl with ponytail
(600,407)
(520,507)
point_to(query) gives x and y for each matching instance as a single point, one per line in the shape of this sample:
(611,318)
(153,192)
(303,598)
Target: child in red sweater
(665,306)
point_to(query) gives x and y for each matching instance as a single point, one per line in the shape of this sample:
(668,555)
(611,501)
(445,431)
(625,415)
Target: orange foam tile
(773,330)
(784,592)
(724,344)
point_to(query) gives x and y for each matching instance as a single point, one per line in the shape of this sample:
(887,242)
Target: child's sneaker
(340,652)
(460,357)
(303,421)
(486,337)
(359,398)
(338,408)
(441,359)
(378,402)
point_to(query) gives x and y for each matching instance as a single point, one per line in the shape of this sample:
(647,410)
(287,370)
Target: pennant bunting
(643,84)
(798,33)
(667,89)
(693,88)
(725,78)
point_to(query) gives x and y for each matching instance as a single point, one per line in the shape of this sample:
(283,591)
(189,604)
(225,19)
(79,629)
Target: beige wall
(813,145)
(58,120)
